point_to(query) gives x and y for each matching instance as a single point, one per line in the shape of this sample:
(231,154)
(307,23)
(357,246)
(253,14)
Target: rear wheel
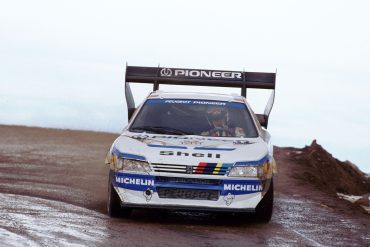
(264,208)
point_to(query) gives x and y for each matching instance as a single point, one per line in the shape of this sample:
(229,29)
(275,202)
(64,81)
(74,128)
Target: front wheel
(114,208)
(113,204)
(264,208)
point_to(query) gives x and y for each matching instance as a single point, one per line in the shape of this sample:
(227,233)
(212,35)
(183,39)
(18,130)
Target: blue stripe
(252,163)
(165,146)
(188,186)
(218,149)
(227,165)
(127,155)
(141,182)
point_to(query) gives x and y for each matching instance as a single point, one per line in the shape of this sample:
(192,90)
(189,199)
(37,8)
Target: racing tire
(264,208)
(114,208)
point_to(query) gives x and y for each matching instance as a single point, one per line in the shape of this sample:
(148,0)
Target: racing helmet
(216,113)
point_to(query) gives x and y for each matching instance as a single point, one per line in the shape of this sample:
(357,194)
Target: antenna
(156,84)
(244,87)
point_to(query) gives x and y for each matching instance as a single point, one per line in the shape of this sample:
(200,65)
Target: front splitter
(188,208)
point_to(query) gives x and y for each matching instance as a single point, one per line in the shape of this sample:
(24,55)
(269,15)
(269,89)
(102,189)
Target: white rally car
(193,151)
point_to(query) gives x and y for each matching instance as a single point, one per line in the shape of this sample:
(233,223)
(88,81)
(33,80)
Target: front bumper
(141,191)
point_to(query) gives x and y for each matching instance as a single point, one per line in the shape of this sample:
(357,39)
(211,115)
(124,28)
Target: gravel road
(53,187)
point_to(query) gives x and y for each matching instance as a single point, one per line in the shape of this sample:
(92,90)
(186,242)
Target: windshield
(194,117)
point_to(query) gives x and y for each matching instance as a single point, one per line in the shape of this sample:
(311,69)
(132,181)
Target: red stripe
(200,167)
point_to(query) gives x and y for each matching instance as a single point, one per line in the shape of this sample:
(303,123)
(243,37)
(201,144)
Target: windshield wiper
(161,130)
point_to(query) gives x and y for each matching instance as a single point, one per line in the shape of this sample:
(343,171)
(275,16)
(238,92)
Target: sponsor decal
(191,142)
(135,181)
(242,142)
(196,102)
(229,199)
(167,72)
(243,187)
(187,154)
(142,137)
(240,187)
(174,101)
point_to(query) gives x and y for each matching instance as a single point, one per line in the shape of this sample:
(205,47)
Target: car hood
(187,150)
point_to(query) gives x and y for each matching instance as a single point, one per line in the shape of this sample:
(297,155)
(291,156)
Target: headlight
(135,165)
(131,165)
(246,171)
(259,171)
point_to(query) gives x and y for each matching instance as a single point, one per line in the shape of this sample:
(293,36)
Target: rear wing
(200,77)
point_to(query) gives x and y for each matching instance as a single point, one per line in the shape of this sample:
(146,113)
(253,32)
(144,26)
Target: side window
(256,122)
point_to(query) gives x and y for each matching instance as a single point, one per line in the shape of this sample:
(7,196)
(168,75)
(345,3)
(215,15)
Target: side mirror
(130,112)
(263,120)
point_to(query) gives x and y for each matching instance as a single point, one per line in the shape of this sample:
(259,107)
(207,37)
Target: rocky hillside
(317,168)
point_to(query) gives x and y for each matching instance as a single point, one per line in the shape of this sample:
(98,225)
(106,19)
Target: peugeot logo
(166,72)
(189,169)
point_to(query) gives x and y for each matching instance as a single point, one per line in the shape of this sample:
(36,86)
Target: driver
(217,117)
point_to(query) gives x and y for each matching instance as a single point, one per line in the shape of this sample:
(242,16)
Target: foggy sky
(63,62)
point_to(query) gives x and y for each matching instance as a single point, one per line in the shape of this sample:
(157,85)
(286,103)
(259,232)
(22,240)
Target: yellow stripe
(217,168)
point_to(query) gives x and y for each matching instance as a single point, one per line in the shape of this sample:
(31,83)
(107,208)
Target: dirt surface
(53,187)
